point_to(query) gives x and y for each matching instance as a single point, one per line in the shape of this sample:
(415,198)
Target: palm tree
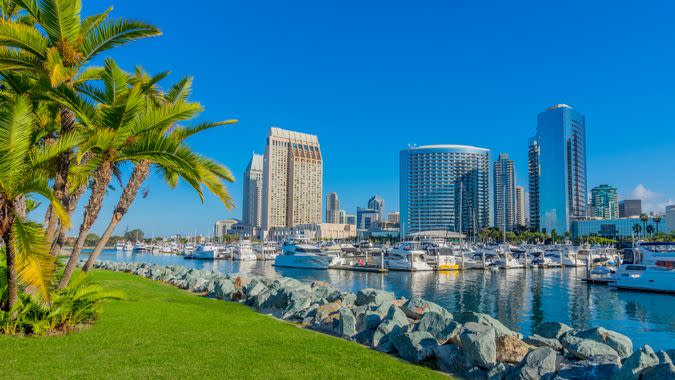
(207,172)
(122,128)
(637,229)
(23,171)
(644,219)
(650,229)
(657,220)
(50,40)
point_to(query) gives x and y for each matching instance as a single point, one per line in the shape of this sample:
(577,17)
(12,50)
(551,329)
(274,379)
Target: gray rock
(663,357)
(484,319)
(540,341)
(538,363)
(598,368)
(388,329)
(619,342)
(397,315)
(347,298)
(370,296)
(584,349)
(415,347)
(658,372)
(643,358)
(552,330)
(222,289)
(478,342)
(450,358)
(345,324)
(475,373)
(499,371)
(416,307)
(365,337)
(322,290)
(440,327)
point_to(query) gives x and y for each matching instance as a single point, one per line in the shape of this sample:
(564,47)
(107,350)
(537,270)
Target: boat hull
(302,261)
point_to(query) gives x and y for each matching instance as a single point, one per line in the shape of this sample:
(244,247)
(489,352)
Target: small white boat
(406,256)
(265,252)
(243,251)
(204,252)
(303,256)
(653,270)
(140,247)
(119,246)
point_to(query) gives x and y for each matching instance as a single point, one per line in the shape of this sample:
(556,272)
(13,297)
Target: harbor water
(521,299)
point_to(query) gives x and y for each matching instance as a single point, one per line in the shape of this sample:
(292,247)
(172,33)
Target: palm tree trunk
(69,203)
(101,180)
(137,178)
(7,213)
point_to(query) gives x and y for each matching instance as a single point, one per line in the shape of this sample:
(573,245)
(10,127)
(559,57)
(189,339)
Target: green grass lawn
(163,332)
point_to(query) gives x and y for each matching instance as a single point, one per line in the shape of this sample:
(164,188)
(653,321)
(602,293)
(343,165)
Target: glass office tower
(435,179)
(557,162)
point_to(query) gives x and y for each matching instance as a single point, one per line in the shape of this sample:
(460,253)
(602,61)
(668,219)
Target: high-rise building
(350,219)
(557,169)
(253,190)
(342,217)
(444,188)
(377,203)
(365,217)
(629,208)
(521,219)
(604,202)
(332,208)
(292,179)
(394,217)
(670,218)
(504,177)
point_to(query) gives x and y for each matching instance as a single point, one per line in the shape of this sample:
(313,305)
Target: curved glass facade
(434,179)
(557,157)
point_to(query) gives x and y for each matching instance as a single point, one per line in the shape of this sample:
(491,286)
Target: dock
(360,268)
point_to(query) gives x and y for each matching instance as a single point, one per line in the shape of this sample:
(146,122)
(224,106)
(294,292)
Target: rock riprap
(469,344)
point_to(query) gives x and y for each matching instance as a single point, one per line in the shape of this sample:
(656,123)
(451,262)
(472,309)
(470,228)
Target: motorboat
(407,256)
(203,252)
(265,252)
(243,251)
(140,247)
(443,257)
(119,246)
(295,255)
(652,270)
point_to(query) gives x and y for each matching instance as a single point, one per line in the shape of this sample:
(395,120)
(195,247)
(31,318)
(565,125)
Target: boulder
(658,372)
(416,346)
(325,315)
(538,363)
(598,368)
(540,341)
(584,349)
(484,319)
(254,288)
(397,315)
(641,359)
(365,337)
(478,342)
(511,349)
(323,290)
(345,325)
(663,357)
(384,334)
(222,289)
(499,371)
(552,330)
(619,342)
(370,296)
(442,328)
(347,298)
(450,358)
(415,307)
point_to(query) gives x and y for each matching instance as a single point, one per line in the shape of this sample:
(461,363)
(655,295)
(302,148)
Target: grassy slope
(160,331)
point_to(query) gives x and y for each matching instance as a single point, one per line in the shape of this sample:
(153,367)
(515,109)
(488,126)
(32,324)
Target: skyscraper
(332,208)
(504,176)
(292,179)
(253,190)
(670,219)
(630,207)
(604,202)
(437,181)
(557,169)
(377,203)
(521,219)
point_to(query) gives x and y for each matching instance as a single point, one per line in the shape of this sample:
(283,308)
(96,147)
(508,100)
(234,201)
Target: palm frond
(61,19)
(23,37)
(183,133)
(34,264)
(111,33)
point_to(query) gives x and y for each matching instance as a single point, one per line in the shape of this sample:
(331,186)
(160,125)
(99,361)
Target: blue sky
(371,77)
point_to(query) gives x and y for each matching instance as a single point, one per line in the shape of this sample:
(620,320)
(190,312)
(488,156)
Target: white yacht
(139,247)
(303,256)
(406,256)
(203,252)
(653,269)
(243,251)
(265,252)
(119,246)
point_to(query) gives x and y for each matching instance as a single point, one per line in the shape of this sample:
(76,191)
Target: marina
(521,298)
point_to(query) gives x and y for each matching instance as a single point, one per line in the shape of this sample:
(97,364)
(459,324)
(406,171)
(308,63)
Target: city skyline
(367,100)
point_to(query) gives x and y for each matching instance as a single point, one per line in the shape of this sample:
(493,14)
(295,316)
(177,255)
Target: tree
(637,229)
(24,170)
(650,229)
(644,219)
(135,234)
(657,220)
(204,171)
(91,239)
(50,41)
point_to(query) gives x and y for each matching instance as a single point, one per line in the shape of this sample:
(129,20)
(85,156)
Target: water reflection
(521,299)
